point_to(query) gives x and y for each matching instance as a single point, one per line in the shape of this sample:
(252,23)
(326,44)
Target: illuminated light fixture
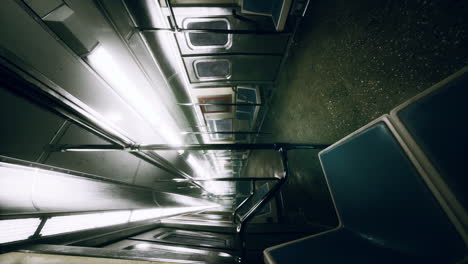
(201,169)
(17,229)
(114,117)
(143,214)
(70,223)
(143,246)
(115,75)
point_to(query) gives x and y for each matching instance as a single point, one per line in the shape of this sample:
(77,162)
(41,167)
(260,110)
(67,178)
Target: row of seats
(398,185)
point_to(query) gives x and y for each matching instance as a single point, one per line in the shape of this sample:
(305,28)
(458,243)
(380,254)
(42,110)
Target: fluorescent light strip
(17,229)
(71,223)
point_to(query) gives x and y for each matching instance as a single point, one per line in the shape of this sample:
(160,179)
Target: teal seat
(436,123)
(387,213)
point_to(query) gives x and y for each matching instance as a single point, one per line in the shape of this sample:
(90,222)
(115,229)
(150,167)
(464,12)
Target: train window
(246,95)
(220,125)
(17,229)
(225,99)
(196,40)
(212,69)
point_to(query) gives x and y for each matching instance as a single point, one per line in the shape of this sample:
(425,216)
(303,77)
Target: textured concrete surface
(351,62)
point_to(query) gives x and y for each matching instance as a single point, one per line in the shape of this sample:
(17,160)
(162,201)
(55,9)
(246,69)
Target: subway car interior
(140,131)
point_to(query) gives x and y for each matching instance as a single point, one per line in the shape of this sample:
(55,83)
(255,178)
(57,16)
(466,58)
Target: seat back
(380,195)
(434,125)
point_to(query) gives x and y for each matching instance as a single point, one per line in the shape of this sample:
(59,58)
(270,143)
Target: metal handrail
(140,148)
(252,193)
(244,220)
(228,179)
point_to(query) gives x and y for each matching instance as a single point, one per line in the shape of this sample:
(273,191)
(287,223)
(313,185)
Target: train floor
(207,237)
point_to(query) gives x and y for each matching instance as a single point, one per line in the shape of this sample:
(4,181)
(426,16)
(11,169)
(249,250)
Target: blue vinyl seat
(386,209)
(387,214)
(435,121)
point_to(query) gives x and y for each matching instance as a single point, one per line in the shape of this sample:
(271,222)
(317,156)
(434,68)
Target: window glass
(213,69)
(220,125)
(204,40)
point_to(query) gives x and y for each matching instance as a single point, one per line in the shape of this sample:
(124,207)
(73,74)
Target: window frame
(226,98)
(212,78)
(189,20)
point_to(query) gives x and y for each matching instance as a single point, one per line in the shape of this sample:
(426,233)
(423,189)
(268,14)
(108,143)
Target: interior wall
(28,130)
(29,42)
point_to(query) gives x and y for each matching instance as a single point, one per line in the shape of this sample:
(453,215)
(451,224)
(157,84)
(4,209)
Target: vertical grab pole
(252,192)
(241,227)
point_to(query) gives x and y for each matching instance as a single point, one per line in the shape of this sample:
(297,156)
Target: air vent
(208,40)
(212,69)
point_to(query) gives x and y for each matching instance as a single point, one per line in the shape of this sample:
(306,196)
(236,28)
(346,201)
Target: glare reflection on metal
(201,168)
(220,146)
(222,254)
(143,214)
(42,189)
(105,64)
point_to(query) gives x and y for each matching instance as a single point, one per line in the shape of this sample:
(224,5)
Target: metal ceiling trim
(50,96)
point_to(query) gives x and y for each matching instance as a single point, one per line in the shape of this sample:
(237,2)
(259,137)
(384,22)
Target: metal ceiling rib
(40,91)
